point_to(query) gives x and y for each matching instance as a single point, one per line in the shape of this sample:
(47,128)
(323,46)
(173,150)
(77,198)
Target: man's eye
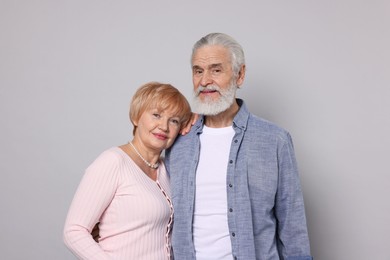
(198,71)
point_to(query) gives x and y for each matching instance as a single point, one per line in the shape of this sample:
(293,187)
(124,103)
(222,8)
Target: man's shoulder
(182,143)
(260,122)
(256,123)
(263,126)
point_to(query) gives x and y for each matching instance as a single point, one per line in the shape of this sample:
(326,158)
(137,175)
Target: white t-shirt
(210,226)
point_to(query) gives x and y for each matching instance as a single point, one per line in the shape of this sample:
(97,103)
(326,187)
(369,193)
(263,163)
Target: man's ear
(241,76)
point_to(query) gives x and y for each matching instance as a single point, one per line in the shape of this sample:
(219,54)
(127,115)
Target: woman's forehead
(169,110)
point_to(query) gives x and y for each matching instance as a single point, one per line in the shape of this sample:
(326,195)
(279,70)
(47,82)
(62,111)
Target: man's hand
(95,233)
(192,121)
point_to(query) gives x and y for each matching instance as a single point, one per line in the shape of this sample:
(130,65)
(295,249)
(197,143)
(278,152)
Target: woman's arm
(94,194)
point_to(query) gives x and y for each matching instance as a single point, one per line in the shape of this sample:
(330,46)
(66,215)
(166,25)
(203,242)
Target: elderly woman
(126,189)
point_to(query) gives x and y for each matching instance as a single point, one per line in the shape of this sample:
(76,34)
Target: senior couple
(228,187)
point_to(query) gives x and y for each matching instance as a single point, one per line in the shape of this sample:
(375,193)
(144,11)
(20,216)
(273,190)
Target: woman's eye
(175,121)
(156,115)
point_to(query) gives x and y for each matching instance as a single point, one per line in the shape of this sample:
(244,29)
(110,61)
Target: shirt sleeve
(289,209)
(95,192)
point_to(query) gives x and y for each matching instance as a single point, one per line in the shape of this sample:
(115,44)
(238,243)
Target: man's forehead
(211,56)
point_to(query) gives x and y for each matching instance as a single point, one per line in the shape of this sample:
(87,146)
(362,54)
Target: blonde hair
(161,96)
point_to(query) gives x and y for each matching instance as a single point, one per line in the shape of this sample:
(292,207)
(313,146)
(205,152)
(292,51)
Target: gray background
(319,69)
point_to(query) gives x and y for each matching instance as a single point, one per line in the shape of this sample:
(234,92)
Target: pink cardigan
(133,211)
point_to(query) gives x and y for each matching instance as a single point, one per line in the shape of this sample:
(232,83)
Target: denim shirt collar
(240,120)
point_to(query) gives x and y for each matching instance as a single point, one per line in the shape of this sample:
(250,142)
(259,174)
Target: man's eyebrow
(195,67)
(215,65)
(211,66)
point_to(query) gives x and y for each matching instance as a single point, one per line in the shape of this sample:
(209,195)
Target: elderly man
(235,184)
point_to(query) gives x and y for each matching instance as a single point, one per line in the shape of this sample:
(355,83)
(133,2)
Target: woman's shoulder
(113,156)
(112,153)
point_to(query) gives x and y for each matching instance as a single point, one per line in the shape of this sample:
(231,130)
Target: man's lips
(207,91)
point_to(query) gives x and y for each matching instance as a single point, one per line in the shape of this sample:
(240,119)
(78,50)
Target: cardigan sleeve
(95,192)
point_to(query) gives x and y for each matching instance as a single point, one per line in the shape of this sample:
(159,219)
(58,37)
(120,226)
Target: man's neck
(223,119)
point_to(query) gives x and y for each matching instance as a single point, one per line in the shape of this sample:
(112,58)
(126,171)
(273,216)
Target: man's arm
(186,129)
(289,209)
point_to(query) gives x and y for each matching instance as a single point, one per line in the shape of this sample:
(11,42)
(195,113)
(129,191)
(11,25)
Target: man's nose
(206,79)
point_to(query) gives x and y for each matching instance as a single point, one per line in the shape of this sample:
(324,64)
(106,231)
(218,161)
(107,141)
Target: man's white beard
(210,107)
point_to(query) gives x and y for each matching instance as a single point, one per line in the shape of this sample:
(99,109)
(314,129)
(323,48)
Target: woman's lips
(161,136)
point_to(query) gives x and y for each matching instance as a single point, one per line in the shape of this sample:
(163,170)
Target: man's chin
(209,110)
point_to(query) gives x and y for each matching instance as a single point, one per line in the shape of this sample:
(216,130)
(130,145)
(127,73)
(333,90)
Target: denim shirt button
(231,161)
(230,185)
(230,210)
(233,234)
(236,141)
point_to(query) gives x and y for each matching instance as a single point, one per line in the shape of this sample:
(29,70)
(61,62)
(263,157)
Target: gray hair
(235,49)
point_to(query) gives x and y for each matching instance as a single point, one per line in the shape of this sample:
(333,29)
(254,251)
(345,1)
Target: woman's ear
(134,122)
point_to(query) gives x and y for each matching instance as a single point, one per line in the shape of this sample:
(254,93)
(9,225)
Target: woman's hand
(192,121)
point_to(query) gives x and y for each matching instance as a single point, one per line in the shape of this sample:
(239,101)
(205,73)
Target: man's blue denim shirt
(266,215)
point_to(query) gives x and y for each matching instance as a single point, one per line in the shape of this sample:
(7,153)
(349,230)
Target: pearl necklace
(151,165)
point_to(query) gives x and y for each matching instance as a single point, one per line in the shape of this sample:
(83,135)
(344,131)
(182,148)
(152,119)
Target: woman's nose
(163,125)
